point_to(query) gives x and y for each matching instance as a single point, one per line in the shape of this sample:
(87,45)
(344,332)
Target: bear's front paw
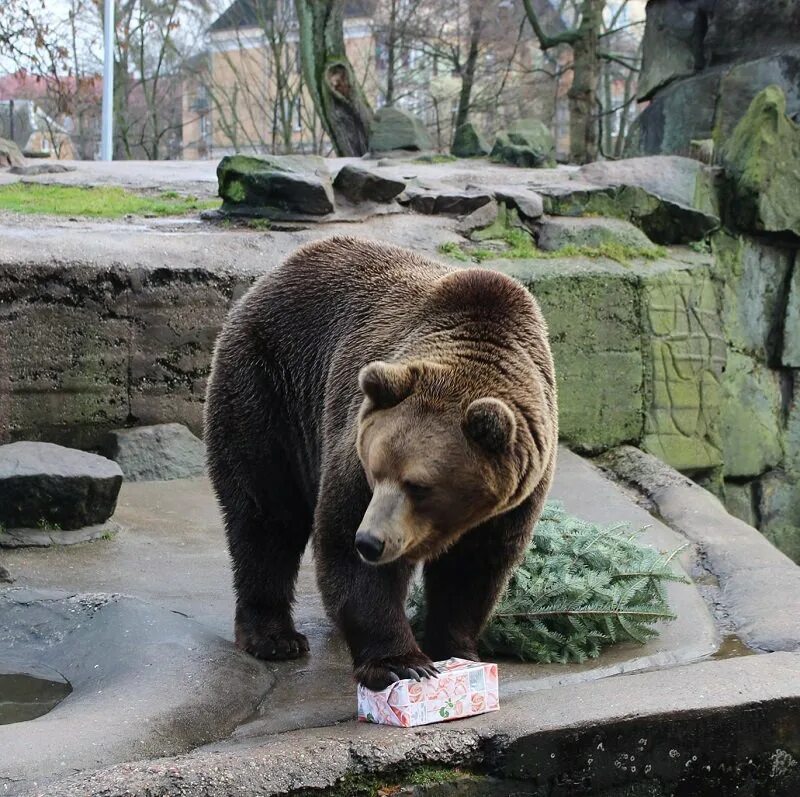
(271,645)
(377,674)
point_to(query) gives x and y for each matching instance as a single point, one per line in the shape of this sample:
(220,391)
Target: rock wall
(703,63)
(85,349)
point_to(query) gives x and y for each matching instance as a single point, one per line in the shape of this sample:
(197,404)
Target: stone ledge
(703,722)
(760,585)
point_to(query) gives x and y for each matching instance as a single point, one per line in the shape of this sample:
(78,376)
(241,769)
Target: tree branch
(545,41)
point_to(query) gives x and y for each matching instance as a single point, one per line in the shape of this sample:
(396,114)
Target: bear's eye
(416,491)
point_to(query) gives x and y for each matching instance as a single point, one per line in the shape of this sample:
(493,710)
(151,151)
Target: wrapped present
(463,689)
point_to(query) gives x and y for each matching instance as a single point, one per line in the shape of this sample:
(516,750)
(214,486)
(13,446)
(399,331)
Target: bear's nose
(369,546)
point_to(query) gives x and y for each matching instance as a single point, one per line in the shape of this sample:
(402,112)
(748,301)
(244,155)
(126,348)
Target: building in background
(246,93)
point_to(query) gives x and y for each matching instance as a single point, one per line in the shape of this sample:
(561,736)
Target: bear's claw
(377,674)
(274,647)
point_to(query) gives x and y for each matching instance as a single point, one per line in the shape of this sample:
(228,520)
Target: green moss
(762,164)
(106,202)
(520,246)
(435,157)
(235,191)
(373,785)
(453,250)
(258,224)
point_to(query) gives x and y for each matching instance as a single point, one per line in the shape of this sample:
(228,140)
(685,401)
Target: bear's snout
(369,546)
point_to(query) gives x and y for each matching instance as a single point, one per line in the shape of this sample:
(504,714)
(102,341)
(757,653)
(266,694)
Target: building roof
(253,13)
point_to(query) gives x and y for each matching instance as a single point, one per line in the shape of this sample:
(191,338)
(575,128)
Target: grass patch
(455,251)
(520,245)
(106,202)
(438,157)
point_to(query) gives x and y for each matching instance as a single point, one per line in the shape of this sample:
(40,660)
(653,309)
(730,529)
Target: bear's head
(440,460)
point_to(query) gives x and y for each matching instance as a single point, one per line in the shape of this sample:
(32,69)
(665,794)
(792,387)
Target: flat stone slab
(52,487)
(145,681)
(436,200)
(556,232)
(156,453)
(704,728)
(361,185)
(44,537)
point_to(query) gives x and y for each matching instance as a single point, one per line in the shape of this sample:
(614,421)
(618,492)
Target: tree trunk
(468,76)
(390,52)
(337,95)
(583,127)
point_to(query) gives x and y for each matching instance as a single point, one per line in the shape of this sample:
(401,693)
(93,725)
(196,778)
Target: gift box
(463,689)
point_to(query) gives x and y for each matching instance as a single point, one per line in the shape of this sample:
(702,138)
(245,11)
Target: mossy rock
(468,142)
(277,186)
(662,220)
(684,356)
(750,417)
(557,232)
(739,501)
(396,129)
(762,165)
(527,143)
(791,325)
(751,273)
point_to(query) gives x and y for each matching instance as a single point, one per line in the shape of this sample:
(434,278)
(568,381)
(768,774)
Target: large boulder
(396,129)
(672,44)
(443,199)
(156,453)
(682,181)
(671,199)
(10,154)
(556,232)
(46,485)
(762,166)
(682,37)
(528,203)
(468,142)
(703,63)
(360,185)
(527,143)
(278,186)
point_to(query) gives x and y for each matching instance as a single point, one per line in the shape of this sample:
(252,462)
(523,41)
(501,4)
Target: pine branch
(579,588)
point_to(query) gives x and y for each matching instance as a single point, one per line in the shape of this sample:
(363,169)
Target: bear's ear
(386,384)
(490,423)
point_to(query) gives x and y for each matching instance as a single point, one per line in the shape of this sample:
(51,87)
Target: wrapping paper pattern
(463,689)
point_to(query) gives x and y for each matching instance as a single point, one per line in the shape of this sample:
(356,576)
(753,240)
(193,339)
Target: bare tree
(583,93)
(336,93)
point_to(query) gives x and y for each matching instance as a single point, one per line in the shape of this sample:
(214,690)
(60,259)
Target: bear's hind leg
(266,542)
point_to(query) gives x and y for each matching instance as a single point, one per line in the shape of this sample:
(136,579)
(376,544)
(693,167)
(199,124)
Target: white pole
(106,141)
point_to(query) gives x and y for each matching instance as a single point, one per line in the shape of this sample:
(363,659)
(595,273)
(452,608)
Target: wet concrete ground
(171,555)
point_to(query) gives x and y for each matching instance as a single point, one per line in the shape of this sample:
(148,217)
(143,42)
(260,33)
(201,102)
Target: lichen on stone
(762,164)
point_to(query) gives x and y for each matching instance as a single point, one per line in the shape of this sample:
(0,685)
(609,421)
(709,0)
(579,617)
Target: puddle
(25,697)
(732,647)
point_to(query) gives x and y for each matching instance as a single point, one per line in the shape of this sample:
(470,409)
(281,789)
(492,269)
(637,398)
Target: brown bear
(398,412)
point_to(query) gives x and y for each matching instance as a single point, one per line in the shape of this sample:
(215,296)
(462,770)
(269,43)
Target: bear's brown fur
(397,411)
